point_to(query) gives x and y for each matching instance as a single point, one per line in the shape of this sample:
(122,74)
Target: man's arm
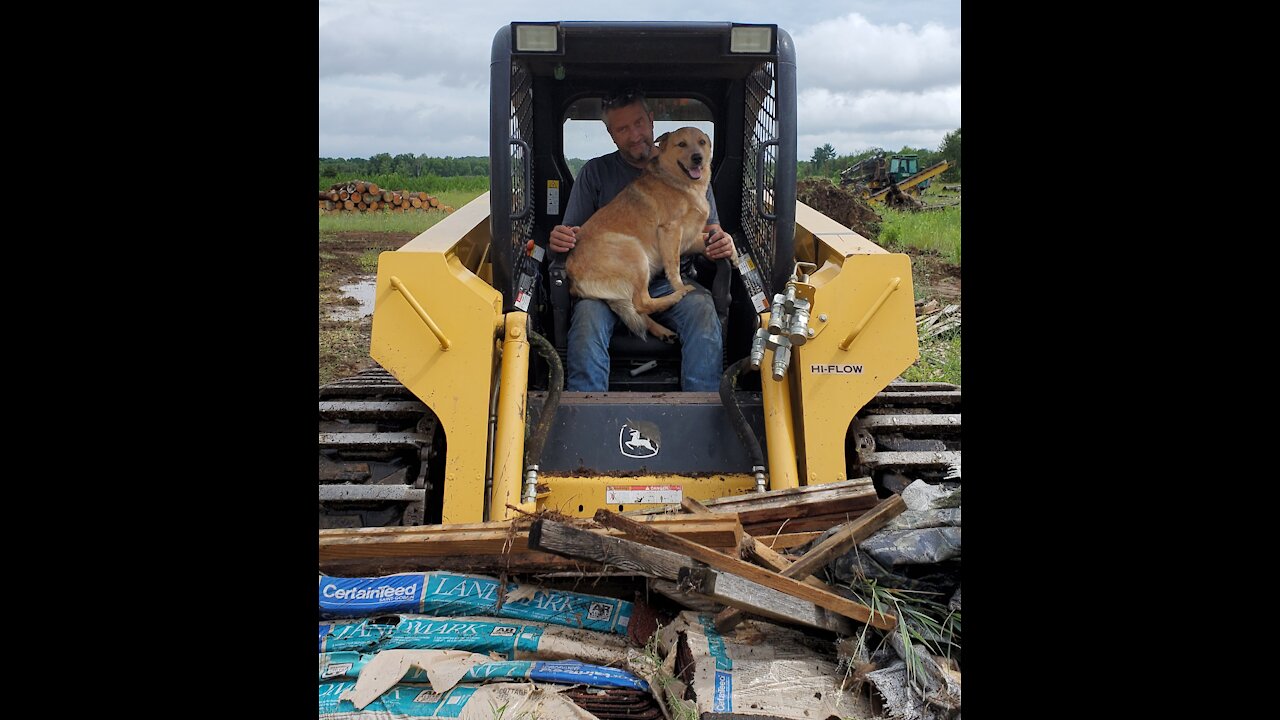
(581,205)
(719,243)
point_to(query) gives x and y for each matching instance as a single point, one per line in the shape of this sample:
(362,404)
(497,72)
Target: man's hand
(719,244)
(563,237)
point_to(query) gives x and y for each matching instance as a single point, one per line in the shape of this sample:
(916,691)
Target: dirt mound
(839,204)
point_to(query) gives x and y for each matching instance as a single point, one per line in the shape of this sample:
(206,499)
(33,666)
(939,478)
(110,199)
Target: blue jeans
(693,318)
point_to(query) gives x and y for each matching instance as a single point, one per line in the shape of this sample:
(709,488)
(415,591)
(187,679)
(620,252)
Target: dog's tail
(627,312)
(617,293)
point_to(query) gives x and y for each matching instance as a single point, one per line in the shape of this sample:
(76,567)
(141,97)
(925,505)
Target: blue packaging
(566,672)
(455,594)
(429,633)
(400,701)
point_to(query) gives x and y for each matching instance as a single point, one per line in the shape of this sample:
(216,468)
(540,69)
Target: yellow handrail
(413,302)
(875,307)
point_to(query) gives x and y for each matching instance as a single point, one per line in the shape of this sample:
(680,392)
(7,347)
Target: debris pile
(691,610)
(361,196)
(844,205)
(934,319)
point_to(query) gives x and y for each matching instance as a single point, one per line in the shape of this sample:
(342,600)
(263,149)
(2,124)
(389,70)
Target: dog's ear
(661,138)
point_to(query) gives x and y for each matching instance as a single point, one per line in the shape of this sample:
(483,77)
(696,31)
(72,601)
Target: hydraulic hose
(728,382)
(555,384)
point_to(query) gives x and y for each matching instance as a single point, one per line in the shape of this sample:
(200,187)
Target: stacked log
(362,196)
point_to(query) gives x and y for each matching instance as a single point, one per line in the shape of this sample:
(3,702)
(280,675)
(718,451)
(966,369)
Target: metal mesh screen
(759,167)
(522,196)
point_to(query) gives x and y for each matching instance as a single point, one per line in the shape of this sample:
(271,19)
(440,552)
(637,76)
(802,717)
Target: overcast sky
(407,76)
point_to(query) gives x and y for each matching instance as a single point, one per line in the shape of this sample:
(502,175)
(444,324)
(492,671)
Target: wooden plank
(666,541)
(820,524)
(851,496)
(496,538)
(845,538)
(786,541)
(551,536)
(525,562)
(612,552)
(746,596)
(761,553)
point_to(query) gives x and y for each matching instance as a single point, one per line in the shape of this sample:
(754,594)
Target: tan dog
(646,228)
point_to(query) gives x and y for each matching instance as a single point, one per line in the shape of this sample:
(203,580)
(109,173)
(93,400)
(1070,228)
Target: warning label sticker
(643,494)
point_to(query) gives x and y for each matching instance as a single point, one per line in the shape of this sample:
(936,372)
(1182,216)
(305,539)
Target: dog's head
(685,153)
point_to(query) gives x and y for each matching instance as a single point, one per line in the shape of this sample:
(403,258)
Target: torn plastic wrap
(347,665)
(913,547)
(760,670)
(454,594)
(465,702)
(511,640)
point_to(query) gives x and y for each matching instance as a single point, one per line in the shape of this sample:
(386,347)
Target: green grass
(939,360)
(934,230)
(414,222)
(457,198)
(368,261)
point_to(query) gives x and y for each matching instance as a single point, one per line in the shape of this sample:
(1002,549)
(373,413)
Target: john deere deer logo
(635,444)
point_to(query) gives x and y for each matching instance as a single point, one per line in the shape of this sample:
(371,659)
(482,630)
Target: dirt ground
(344,344)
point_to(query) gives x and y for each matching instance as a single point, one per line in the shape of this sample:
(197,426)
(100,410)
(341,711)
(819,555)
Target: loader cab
(902,167)
(735,82)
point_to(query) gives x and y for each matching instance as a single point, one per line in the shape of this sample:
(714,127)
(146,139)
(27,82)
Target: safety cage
(542,74)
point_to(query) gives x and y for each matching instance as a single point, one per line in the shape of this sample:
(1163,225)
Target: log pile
(362,196)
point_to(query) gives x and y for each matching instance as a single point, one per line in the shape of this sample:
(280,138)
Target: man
(630,124)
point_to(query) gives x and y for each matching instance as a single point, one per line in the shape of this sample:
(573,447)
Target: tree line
(826,163)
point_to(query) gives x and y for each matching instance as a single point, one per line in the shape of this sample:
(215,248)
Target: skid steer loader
(466,419)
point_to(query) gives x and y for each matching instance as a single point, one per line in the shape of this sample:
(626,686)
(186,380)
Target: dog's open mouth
(693,172)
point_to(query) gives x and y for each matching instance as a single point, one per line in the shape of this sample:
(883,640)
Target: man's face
(631,128)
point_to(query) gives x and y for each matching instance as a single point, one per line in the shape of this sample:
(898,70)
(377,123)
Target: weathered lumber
(775,506)
(746,596)
(614,552)
(752,548)
(845,538)
(666,541)
(525,562)
(494,538)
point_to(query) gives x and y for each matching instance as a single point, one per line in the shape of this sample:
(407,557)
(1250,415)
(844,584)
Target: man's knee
(701,315)
(591,317)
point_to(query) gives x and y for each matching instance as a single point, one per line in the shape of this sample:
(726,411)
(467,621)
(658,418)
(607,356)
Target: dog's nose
(697,158)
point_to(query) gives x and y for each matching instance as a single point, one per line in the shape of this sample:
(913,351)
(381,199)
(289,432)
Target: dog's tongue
(695,172)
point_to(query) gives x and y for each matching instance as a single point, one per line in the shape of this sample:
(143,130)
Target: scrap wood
(522,562)
(551,536)
(814,560)
(656,538)
(774,506)
(496,538)
(930,324)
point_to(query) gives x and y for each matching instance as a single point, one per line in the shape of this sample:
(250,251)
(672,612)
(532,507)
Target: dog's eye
(684,144)
(702,142)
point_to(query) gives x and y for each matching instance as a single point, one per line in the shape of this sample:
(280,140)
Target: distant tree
(950,150)
(821,155)
(380,163)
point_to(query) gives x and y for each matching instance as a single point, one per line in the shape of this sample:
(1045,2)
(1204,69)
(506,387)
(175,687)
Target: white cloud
(852,54)
(410,76)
